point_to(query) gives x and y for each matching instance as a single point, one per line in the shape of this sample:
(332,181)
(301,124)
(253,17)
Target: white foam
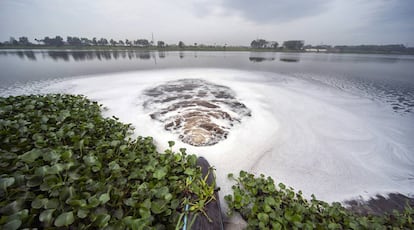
(307,135)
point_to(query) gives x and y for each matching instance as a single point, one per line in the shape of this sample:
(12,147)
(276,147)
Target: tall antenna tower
(152,38)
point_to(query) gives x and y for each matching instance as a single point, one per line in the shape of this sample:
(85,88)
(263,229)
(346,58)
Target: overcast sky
(235,22)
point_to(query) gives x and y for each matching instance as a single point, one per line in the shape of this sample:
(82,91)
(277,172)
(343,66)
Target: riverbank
(136,48)
(192,48)
(380,205)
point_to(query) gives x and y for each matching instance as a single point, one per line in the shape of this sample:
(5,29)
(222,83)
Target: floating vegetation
(267,206)
(64,165)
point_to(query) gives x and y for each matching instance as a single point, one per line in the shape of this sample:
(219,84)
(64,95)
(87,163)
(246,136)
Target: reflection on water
(85,55)
(261,56)
(28,54)
(161,54)
(271,56)
(290,57)
(260,59)
(69,55)
(385,78)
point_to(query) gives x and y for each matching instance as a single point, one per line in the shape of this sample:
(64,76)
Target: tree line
(289,45)
(299,45)
(82,41)
(293,45)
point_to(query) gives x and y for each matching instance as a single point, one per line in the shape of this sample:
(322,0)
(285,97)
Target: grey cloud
(393,22)
(402,10)
(263,11)
(335,21)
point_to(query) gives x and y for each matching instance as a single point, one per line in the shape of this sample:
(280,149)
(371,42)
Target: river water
(339,126)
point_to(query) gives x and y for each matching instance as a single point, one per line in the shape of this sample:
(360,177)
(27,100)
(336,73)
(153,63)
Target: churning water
(199,112)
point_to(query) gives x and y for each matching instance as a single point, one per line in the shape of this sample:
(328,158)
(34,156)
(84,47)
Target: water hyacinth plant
(267,206)
(62,164)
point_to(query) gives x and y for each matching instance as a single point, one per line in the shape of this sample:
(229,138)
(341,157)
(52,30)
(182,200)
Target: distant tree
(128,42)
(94,41)
(161,44)
(393,48)
(46,40)
(258,43)
(86,41)
(274,45)
(13,41)
(24,41)
(113,42)
(69,40)
(181,44)
(57,41)
(294,44)
(142,43)
(103,42)
(73,41)
(254,44)
(121,42)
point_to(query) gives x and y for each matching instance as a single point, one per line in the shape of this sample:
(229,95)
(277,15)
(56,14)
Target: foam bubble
(308,135)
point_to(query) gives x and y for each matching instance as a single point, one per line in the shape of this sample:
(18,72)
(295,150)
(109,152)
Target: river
(340,126)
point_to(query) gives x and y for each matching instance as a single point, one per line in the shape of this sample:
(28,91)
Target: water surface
(336,125)
(388,78)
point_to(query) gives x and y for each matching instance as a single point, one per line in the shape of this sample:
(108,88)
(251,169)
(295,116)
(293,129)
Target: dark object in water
(289,59)
(212,209)
(380,205)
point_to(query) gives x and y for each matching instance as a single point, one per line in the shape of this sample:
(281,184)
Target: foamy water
(309,135)
(199,112)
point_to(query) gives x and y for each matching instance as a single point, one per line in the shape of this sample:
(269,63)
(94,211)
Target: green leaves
(266,207)
(63,115)
(47,216)
(171,144)
(102,220)
(104,198)
(64,219)
(263,217)
(6,182)
(82,213)
(12,225)
(160,173)
(158,206)
(30,156)
(63,164)
(38,203)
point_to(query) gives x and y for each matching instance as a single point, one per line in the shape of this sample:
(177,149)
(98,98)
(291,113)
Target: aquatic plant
(267,206)
(62,164)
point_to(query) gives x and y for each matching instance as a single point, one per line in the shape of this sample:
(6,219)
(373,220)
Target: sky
(231,22)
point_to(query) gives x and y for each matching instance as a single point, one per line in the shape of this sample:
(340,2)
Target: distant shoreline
(189,48)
